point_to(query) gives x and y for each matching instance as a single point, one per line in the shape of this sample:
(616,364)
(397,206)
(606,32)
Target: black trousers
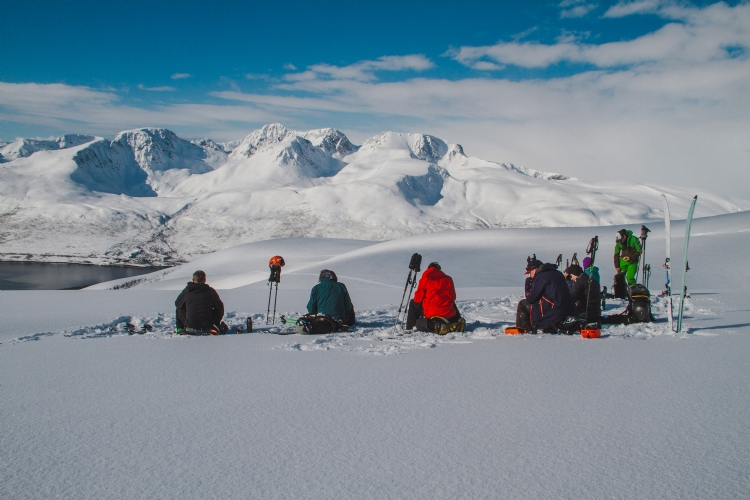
(523,315)
(181,318)
(415,317)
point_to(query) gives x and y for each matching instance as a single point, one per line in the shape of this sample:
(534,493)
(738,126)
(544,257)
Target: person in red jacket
(435,296)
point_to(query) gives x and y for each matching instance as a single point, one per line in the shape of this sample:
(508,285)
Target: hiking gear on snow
(315,324)
(331,298)
(574,259)
(646,269)
(548,297)
(411,279)
(276,296)
(668,261)
(249,325)
(619,287)
(442,326)
(198,307)
(591,333)
(436,293)
(686,268)
(638,309)
(275,264)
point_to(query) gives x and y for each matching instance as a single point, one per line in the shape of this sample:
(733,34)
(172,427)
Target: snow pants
(415,317)
(630,270)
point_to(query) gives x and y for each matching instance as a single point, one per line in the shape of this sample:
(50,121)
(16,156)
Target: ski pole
(644,235)
(276,295)
(268,312)
(401,305)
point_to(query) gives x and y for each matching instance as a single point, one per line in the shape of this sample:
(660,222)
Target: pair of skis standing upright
(668,263)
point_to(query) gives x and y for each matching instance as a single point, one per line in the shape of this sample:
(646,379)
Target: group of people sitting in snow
(551,296)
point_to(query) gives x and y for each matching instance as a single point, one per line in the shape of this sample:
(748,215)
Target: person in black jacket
(548,301)
(199,308)
(585,291)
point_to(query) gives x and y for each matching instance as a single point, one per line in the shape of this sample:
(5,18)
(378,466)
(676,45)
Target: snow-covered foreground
(92,412)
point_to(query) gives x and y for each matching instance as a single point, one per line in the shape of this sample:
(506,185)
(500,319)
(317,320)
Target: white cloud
(364,70)
(629,8)
(290,67)
(576,8)
(181,76)
(702,35)
(163,88)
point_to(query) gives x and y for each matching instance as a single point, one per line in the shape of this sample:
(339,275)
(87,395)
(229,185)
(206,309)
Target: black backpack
(315,324)
(639,304)
(619,287)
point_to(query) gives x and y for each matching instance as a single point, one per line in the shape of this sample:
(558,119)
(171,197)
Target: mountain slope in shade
(149,196)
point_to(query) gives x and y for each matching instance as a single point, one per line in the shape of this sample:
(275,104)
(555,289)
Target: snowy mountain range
(151,197)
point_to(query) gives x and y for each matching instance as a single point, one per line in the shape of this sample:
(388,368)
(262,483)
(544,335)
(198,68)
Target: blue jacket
(548,297)
(330,298)
(593,271)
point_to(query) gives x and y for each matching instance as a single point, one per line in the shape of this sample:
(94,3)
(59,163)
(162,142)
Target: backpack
(639,304)
(315,324)
(619,287)
(638,310)
(441,326)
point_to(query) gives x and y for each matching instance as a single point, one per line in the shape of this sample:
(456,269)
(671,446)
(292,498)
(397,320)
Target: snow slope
(639,413)
(149,197)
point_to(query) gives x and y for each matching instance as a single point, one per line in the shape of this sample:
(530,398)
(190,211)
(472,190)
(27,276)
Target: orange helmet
(276,261)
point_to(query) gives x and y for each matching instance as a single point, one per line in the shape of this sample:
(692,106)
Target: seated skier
(434,300)
(331,298)
(548,301)
(199,308)
(586,294)
(591,270)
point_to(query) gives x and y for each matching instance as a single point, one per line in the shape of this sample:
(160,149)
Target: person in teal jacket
(627,253)
(592,271)
(331,298)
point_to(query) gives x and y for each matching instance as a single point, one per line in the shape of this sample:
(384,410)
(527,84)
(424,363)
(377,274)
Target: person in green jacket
(627,253)
(331,298)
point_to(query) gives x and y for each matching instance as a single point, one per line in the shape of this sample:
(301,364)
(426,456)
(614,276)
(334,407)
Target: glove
(618,270)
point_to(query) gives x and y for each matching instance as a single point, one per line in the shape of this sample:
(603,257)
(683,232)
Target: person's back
(548,297)
(331,298)
(437,294)
(586,294)
(198,306)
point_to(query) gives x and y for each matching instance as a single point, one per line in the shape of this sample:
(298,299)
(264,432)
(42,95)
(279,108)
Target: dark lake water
(47,276)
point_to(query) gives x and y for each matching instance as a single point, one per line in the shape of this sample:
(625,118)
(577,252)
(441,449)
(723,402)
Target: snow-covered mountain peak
(332,141)
(267,134)
(22,148)
(537,174)
(419,146)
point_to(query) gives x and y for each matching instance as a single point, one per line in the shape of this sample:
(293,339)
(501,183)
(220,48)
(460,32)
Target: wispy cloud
(364,70)
(290,67)
(576,8)
(181,76)
(701,36)
(163,88)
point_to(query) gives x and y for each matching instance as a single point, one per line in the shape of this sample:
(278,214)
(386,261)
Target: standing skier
(331,298)
(627,253)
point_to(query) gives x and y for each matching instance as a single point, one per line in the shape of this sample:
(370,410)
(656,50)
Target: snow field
(640,413)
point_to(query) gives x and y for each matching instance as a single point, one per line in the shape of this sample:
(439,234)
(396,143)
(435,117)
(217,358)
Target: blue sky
(651,90)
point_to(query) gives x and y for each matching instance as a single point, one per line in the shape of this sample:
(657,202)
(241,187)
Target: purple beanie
(586,262)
